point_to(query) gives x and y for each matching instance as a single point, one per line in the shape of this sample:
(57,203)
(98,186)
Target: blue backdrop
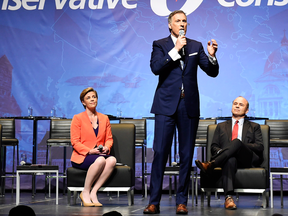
(51,50)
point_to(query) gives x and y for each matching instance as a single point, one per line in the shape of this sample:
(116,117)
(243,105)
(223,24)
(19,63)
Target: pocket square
(193,54)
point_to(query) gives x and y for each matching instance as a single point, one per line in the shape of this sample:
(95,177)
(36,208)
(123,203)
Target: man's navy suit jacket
(171,76)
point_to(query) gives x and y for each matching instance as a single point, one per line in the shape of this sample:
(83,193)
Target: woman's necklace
(93,120)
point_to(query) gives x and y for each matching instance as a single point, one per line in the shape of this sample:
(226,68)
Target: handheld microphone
(182,33)
(100,148)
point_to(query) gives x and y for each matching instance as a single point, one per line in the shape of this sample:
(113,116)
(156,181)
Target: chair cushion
(9,141)
(278,142)
(60,140)
(120,177)
(249,178)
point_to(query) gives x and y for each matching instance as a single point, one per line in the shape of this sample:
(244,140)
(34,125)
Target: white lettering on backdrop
(14,5)
(159,7)
(246,3)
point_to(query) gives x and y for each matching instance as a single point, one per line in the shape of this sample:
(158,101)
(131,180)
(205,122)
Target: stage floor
(247,205)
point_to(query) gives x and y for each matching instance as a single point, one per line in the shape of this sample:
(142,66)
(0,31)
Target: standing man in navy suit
(175,60)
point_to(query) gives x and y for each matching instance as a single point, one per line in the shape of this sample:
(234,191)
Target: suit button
(167,60)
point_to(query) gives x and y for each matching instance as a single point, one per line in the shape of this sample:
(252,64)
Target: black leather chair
(201,141)
(59,137)
(201,136)
(8,139)
(249,180)
(278,139)
(278,132)
(1,156)
(140,142)
(123,176)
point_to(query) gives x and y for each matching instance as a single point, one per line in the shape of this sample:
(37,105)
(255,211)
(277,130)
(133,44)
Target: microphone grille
(181,32)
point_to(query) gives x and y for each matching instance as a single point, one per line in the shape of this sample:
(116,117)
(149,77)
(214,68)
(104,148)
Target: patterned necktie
(181,64)
(235,131)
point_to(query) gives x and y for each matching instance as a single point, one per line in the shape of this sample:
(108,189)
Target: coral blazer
(83,137)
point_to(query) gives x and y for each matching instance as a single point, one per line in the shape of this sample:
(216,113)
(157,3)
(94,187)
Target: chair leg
(4,171)
(208,198)
(143,169)
(17,160)
(64,170)
(1,167)
(50,163)
(69,196)
(129,198)
(265,199)
(132,198)
(75,197)
(196,188)
(2,187)
(130,195)
(202,198)
(13,169)
(192,188)
(170,186)
(281,191)
(146,188)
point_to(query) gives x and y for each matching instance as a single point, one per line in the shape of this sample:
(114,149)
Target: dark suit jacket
(171,76)
(251,137)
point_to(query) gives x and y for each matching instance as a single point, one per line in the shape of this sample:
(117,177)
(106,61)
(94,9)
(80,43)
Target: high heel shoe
(96,204)
(84,203)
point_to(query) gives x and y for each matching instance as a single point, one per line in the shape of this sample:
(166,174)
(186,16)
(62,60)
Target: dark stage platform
(247,205)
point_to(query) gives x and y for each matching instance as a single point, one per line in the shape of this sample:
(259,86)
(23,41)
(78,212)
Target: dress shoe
(181,209)
(152,209)
(206,167)
(84,203)
(229,203)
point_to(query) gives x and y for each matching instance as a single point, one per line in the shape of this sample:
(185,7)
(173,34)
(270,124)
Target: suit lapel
(228,128)
(245,129)
(187,49)
(169,45)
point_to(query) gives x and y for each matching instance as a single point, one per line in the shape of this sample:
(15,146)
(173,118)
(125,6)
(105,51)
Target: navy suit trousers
(163,136)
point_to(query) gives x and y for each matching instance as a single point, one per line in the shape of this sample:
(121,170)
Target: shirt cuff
(173,53)
(213,60)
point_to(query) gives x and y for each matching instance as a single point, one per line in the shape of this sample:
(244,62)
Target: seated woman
(91,138)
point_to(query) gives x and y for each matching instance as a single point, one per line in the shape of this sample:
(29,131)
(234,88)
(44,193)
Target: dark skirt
(89,159)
